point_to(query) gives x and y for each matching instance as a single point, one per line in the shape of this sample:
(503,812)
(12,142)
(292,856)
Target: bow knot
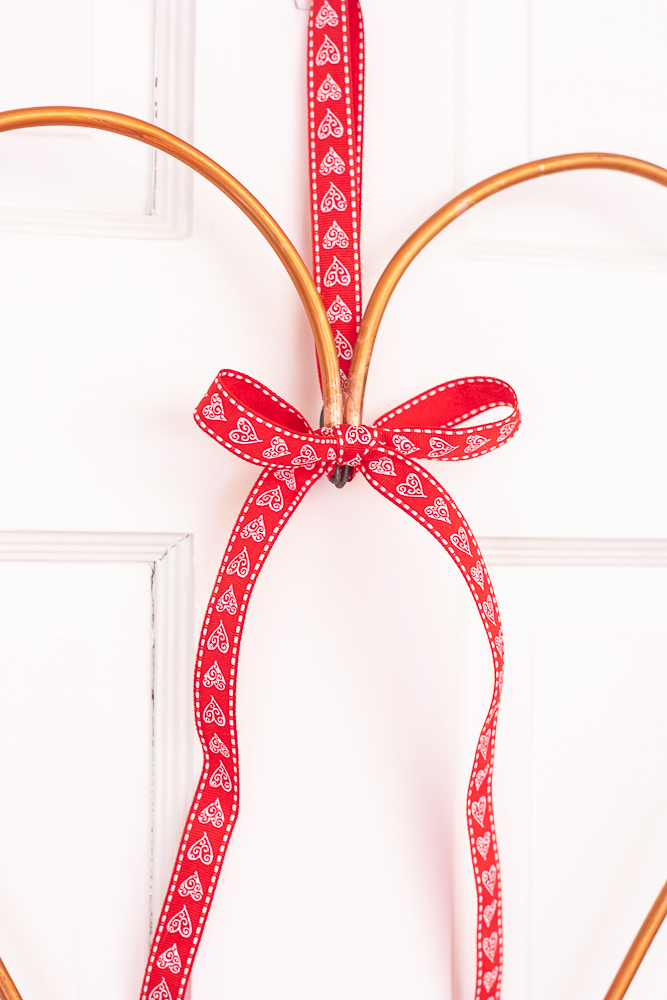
(248,419)
(354,443)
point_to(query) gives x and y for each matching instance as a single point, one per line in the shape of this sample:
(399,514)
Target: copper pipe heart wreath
(270,433)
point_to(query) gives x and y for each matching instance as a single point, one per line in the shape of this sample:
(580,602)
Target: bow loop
(429,425)
(253,422)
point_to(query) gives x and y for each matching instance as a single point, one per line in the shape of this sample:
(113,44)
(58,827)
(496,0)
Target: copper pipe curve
(440,220)
(134,128)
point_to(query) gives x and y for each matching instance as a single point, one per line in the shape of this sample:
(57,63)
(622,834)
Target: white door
(363,678)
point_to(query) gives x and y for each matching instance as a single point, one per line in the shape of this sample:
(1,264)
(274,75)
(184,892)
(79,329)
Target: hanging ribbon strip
(261,428)
(336,111)
(249,420)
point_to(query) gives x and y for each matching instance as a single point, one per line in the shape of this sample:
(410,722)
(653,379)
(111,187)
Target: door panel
(94,753)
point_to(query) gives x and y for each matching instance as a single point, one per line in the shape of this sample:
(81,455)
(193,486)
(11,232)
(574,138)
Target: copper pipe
(8,989)
(639,947)
(134,128)
(452,210)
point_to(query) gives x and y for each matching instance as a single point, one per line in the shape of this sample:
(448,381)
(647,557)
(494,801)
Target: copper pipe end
(8,990)
(639,947)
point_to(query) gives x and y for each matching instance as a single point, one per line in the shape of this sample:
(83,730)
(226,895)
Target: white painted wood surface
(343,878)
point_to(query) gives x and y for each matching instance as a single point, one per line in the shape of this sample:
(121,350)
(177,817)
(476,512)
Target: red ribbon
(336,112)
(249,420)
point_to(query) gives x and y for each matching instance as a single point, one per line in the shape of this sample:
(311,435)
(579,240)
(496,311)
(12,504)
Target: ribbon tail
(212,816)
(415,491)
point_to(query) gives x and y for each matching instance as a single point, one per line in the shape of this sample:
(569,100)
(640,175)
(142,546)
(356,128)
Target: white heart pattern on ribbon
(412,486)
(278,449)
(228,602)
(214,410)
(213,814)
(329,90)
(343,346)
(287,476)
(489,912)
(218,639)
(180,923)
(477,573)
(478,810)
(326,17)
(488,609)
(330,128)
(480,776)
(438,510)
(506,431)
(161,992)
(244,433)
(484,744)
(483,844)
(332,163)
(216,745)
(382,466)
(255,529)
(474,442)
(337,274)
(440,448)
(327,53)
(459,539)
(334,200)
(307,457)
(213,713)
(220,778)
(170,959)
(489,879)
(337,311)
(490,946)
(489,980)
(273,499)
(191,887)
(403,445)
(358,435)
(214,677)
(202,851)
(337,237)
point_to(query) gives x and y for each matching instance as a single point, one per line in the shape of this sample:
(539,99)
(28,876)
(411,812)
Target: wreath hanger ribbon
(254,423)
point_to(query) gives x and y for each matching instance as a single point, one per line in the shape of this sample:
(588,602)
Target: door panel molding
(167,185)
(574,551)
(529,86)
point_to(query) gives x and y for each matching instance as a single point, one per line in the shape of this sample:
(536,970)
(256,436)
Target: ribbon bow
(251,421)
